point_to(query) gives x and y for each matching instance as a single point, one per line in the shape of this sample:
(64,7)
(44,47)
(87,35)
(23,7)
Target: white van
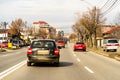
(110,45)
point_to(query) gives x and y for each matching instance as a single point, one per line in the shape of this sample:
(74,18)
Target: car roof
(43,40)
(79,42)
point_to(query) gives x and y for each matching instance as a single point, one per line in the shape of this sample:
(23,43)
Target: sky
(58,13)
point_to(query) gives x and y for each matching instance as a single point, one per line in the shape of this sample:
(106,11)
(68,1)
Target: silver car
(110,45)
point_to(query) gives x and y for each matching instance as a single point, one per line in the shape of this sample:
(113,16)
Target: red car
(61,43)
(79,46)
(4,44)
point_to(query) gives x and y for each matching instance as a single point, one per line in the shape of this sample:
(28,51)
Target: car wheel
(56,63)
(115,50)
(107,50)
(84,50)
(28,63)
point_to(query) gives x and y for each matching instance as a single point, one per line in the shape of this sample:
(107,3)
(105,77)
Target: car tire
(56,64)
(107,50)
(84,50)
(115,50)
(28,63)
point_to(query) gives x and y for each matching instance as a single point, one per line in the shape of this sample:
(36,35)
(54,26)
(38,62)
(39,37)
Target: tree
(91,20)
(42,33)
(72,36)
(16,27)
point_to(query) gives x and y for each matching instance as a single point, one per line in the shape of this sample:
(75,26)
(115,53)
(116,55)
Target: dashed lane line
(78,59)
(88,69)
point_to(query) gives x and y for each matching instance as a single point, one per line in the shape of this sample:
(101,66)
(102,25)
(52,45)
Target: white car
(110,45)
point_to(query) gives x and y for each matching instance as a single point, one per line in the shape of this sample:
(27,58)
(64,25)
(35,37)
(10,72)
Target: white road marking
(10,54)
(88,69)
(74,55)
(78,59)
(12,69)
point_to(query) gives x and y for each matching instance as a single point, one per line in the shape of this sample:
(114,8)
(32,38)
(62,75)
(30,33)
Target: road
(77,65)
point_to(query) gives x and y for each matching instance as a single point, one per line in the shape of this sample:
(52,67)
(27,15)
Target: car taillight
(56,52)
(29,51)
(116,44)
(108,45)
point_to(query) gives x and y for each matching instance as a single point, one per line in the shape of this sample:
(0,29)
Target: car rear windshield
(43,44)
(60,41)
(4,42)
(112,41)
(79,43)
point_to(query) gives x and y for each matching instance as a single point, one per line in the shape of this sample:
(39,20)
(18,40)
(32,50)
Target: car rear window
(112,41)
(60,41)
(43,44)
(15,42)
(4,42)
(79,43)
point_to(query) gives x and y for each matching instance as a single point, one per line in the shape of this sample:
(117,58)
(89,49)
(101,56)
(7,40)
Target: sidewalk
(114,55)
(6,50)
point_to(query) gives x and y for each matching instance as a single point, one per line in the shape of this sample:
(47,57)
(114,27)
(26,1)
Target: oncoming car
(61,43)
(43,50)
(79,46)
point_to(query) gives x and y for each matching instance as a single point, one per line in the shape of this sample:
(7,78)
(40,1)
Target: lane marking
(10,54)
(88,69)
(75,55)
(78,59)
(12,69)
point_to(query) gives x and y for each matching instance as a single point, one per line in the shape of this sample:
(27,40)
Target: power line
(110,7)
(106,3)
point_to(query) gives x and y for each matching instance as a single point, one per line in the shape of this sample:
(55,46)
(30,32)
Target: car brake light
(108,45)
(56,52)
(29,51)
(116,44)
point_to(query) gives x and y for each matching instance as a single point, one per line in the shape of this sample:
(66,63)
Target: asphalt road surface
(77,65)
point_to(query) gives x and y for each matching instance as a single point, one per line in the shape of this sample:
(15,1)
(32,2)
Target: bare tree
(91,20)
(42,33)
(16,27)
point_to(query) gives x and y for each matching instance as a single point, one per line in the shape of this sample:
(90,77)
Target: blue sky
(58,13)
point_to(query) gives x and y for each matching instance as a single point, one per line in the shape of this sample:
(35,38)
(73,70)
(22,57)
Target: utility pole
(4,30)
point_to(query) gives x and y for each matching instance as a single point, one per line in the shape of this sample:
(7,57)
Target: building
(39,25)
(45,27)
(3,35)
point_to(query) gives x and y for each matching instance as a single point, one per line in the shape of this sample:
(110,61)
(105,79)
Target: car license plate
(14,47)
(80,47)
(43,51)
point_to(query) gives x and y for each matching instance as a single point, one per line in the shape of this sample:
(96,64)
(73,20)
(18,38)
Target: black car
(43,50)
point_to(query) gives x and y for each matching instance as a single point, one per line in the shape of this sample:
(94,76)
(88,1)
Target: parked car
(15,44)
(110,45)
(61,43)
(43,50)
(79,46)
(4,44)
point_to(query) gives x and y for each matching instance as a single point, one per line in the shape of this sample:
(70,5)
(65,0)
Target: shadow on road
(80,51)
(61,64)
